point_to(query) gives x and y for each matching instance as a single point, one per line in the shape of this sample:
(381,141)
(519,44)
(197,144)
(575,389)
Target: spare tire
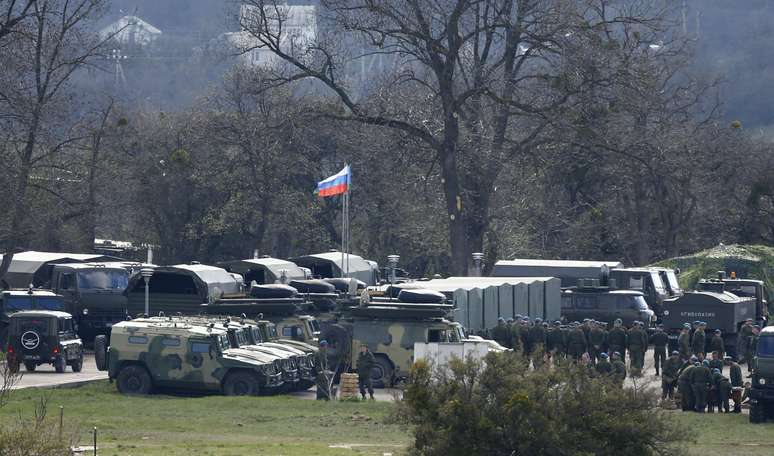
(342,284)
(100,352)
(421,296)
(339,345)
(274,291)
(312,286)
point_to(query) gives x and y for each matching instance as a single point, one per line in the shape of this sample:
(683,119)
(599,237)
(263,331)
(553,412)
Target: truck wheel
(757,413)
(100,352)
(60,365)
(30,366)
(241,384)
(381,373)
(134,379)
(77,365)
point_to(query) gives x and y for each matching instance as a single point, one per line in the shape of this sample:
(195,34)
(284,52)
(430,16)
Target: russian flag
(336,184)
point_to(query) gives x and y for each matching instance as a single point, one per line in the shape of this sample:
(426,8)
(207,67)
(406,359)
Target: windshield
(741,290)
(257,334)
(14,303)
(273,332)
(224,343)
(242,338)
(50,303)
(766,347)
(672,280)
(38,325)
(315,325)
(658,284)
(103,279)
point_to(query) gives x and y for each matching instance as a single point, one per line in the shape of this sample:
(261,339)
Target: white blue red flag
(336,184)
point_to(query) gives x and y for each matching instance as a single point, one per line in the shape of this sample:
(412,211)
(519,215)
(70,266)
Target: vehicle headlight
(666,313)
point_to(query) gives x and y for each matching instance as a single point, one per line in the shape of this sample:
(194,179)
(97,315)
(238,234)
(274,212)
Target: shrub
(505,408)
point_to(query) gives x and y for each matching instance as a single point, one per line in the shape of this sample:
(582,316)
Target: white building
(130,31)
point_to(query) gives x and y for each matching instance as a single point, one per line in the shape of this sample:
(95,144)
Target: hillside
(748,261)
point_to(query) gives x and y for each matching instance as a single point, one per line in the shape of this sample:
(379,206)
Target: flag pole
(343,230)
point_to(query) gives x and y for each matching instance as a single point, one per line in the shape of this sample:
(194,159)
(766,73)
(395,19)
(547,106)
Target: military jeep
(148,353)
(43,337)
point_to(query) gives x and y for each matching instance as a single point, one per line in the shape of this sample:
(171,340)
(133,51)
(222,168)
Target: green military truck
(762,385)
(37,337)
(149,353)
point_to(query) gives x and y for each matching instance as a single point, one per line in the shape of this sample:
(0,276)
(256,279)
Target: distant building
(130,31)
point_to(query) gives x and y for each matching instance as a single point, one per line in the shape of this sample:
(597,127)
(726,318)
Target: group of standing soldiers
(700,380)
(541,341)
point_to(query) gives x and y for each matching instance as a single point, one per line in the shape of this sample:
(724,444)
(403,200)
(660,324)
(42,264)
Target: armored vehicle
(604,304)
(711,303)
(762,387)
(38,337)
(301,328)
(390,331)
(19,300)
(148,353)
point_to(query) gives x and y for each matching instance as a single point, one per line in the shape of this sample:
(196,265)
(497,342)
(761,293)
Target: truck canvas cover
(329,265)
(264,270)
(567,271)
(33,267)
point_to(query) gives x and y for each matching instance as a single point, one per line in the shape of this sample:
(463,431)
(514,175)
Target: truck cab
(604,304)
(648,281)
(93,294)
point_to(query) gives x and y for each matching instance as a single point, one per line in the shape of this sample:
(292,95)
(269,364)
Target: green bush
(505,408)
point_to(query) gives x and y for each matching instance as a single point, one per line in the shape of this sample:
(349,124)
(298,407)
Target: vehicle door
(203,361)
(71,347)
(68,288)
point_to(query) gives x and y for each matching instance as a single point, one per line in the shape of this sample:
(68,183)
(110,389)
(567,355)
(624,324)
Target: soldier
(684,342)
(500,333)
(659,341)
(616,338)
(576,342)
(516,335)
(737,382)
(526,345)
(323,375)
(619,369)
(687,400)
(638,344)
(744,342)
(365,363)
(586,327)
(603,366)
(753,348)
(554,341)
(699,340)
(597,340)
(723,389)
(669,377)
(509,328)
(716,362)
(701,379)
(537,338)
(717,344)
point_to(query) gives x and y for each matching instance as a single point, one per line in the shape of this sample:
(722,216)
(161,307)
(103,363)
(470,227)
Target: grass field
(726,434)
(217,425)
(282,425)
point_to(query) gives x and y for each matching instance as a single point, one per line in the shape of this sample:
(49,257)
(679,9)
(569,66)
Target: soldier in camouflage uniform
(744,352)
(701,379)
(638,344)
(616,338)
(737,382)
(699,340)
(597,341)
(516,330)
(716,362)
(669,377)
(537,338)
(603,366)
(500,333)
(555,342)
(365,363)
(717,344)
(576,342)
(687,399)
(684,342)
(659,341)
(619,369)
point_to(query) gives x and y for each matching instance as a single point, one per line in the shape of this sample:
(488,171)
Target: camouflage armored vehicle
(38,337)
(302,328)
(390,331)
(762,388)
(148,353)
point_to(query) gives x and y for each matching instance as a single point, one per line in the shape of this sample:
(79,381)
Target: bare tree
(38,65)
(478,82)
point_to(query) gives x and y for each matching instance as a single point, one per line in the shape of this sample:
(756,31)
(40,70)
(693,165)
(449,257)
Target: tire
(757,413)
(339,344)
(60,365)
(134,380)
(30,366)
(100,352)
(241,384)
(77,365)
(381,374)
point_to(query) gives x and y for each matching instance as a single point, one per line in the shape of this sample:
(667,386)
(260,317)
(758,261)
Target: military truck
(714,304)
(93,293)
(390,330)
(149,353)
(602,303)
(19,300)
(762,386)
(37,337)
